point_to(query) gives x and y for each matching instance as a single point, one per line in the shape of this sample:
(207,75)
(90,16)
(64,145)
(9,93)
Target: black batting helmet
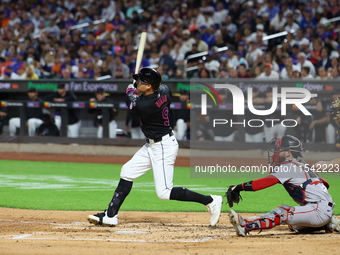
(287,142)
(150,76)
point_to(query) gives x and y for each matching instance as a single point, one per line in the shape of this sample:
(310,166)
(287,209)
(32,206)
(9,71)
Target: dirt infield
(68,232)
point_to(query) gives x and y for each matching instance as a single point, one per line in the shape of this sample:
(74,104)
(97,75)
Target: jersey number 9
(165,115)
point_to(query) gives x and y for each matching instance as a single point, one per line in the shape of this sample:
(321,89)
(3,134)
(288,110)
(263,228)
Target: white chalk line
(117,231)
(31,237)
(91,225)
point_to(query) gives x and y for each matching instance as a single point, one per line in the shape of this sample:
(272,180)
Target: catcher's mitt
(232,196)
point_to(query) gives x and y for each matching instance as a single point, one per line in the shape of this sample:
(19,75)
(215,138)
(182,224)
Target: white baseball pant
(72,130)
(330,134)
(137,133)
(160,157)
(112,130)
(229,138)
(33,124)
(311,215)
(181,129)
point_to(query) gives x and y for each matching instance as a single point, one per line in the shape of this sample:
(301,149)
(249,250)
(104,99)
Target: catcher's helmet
(287,142)
(150,76)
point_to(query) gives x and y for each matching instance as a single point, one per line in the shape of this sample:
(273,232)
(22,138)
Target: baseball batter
(150,101)
(307,189)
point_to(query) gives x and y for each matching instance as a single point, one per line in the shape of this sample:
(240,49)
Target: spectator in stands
(101,97)
(74,123)
(256,71)
(254,53)
(20,74)
(308,19)
(302,61)
(241,58)
(105,69)
(304,46)
(166,61)
(243,72)
(289,67)
(278,22)
(232,58)
(322,74)
(315,55)
(325,61)
(219,16)
(33,116)
(223,74)
(305,73)
(30,73)
(118,64)
(201,45)
(233,73)
(8,62)
(334,64)
(268,72)
(291,25)
(204,73)
(295,53)
(335,75)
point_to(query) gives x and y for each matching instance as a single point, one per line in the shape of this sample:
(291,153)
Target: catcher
(308,189)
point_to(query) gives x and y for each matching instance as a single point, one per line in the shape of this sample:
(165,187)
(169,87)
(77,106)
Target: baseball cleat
(214,209)
(334,224)
(237,222)
(103,220)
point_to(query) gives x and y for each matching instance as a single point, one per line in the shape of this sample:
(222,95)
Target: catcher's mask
(335,112)
(286,143)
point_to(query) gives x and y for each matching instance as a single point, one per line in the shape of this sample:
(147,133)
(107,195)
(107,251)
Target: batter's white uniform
(160,151)
(158,156)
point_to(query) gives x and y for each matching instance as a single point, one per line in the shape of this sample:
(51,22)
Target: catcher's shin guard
(123,189)
(269,220)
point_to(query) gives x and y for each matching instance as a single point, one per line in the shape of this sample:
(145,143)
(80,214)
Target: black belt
(156,140)
(330,204)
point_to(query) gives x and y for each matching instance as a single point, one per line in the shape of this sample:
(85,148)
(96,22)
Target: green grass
(84,186)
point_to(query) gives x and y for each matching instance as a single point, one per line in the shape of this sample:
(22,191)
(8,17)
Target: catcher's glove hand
(232,196)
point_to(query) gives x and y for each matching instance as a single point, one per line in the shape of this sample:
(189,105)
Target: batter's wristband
(128,90)
(248,186)
(239,187)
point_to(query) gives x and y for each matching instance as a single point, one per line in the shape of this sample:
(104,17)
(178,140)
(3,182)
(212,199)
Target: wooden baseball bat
(140,51)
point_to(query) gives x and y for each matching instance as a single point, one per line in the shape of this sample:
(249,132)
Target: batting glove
(130,88)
